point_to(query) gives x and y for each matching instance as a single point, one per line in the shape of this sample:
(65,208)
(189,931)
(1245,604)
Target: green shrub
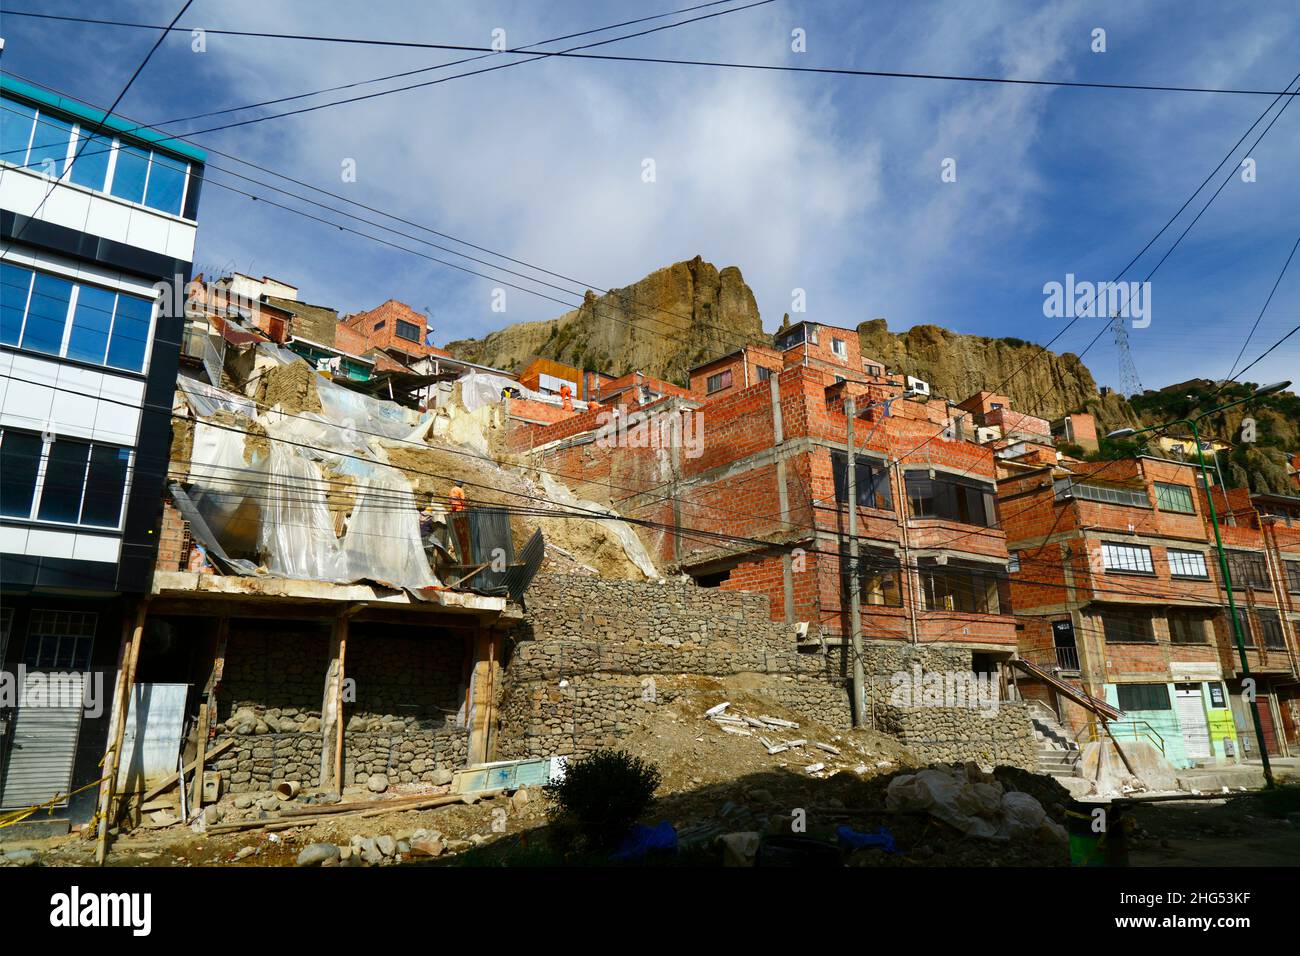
(601,796)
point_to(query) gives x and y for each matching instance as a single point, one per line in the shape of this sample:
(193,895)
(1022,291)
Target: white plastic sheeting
(383,536)
(297,534)
(276,506)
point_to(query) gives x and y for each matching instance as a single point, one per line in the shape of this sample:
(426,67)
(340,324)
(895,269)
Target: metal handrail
(1141,728)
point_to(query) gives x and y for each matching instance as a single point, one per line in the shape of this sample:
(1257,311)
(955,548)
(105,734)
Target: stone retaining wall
(593,659)
(259,761)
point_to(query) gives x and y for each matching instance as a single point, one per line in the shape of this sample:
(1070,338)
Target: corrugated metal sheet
(152,740)
(39,766)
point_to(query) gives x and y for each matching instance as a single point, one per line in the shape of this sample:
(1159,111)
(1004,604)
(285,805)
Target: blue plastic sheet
(643,840)
(851,839)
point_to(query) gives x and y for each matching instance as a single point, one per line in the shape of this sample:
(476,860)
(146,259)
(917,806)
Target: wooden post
(127,659)
(196,800)
(208,706)
(331,757)
(482,712)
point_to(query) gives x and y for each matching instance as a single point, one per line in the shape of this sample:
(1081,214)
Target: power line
(440,66)
(107,113)
(1286,265)
(767,67)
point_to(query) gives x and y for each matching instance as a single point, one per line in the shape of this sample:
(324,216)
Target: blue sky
(827,184)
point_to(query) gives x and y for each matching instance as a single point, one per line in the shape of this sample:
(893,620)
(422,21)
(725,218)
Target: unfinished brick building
(1117,588)
(747,488)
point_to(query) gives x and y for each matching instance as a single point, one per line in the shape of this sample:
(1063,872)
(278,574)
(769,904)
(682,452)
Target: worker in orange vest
(456,498)
(566,397)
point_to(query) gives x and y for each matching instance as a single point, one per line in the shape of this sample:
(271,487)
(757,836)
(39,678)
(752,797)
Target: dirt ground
(714,782)
(1255,829)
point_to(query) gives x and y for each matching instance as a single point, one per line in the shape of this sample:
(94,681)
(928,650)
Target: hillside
(956,366)
(1260,466)
(662,325)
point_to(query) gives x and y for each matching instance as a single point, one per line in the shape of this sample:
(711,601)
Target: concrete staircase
(1058,754)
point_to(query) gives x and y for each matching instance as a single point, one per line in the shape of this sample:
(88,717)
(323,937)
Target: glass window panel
(91,320)
(65,476)
(130,333)
(166,184)
(47,314)
(90,159)
(130,173)
(49,153)
(105,485)
(16,121)
(15,283)
(1176,498)
(1187,564)
(20,456)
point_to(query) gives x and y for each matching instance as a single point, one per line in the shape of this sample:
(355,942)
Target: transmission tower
(1129,383)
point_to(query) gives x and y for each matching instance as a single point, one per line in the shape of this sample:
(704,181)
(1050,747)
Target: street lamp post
(1218,543)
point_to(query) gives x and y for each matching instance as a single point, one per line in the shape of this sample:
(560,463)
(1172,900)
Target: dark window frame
(1118,626)
(1248,569)
(951,498)
(962,588)
(873,485)
(1189,623)
(718,381)
(1141,695)
(407,331)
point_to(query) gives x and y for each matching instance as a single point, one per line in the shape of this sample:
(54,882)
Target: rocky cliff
(672,319)
(956,366)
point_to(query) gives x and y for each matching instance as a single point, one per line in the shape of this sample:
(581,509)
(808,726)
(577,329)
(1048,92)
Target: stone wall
(404,722)
(914,689)
(593,660)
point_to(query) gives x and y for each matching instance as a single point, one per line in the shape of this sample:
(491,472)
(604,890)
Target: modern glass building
(95,212)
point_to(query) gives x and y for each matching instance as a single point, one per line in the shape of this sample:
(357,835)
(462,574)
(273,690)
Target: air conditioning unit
(915,386)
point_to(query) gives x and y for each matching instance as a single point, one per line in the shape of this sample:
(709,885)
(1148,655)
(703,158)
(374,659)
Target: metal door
(1191,719)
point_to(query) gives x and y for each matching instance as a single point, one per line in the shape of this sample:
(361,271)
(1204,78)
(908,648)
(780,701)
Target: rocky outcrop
(1040,383)
(674,318)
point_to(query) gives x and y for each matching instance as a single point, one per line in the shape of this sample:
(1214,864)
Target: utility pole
(855,600)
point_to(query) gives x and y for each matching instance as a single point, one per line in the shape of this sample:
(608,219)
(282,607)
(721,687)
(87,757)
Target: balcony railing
(1067,658)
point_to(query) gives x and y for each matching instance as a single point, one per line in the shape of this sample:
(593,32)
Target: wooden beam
(482,709)
(332,724)
(196,800)
(127,659)
(175,775)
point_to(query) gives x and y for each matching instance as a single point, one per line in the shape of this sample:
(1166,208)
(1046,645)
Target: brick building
(396,329)
(1117,588)
(768,461)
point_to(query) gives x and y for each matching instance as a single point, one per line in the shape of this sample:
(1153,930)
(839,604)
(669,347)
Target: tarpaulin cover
(275,507)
